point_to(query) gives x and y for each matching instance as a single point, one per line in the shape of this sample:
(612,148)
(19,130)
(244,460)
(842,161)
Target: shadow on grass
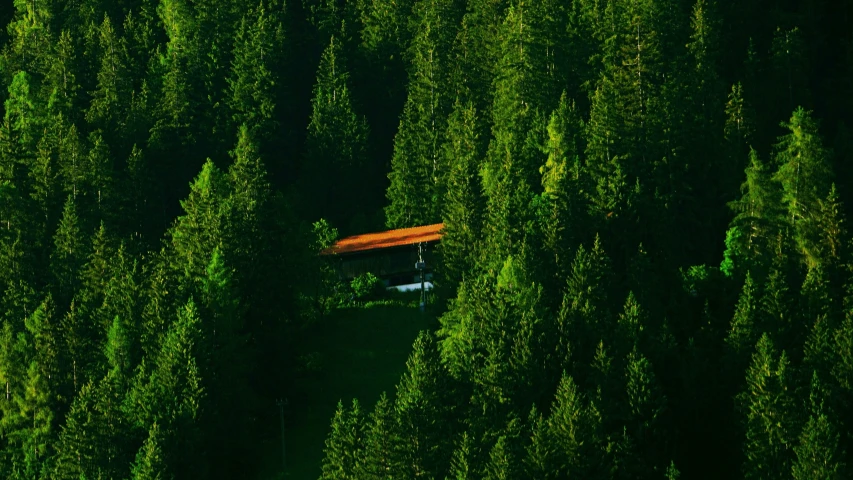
(355,352)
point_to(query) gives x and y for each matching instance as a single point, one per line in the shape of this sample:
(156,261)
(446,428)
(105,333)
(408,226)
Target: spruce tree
(336,142)
(151,463)
(379,457)
(460,463)
(68,256)
(422,398)
(201,228)
(564,185)
(418,170)
(843,368)
(344,445)
(767,414)
(254,77)
(463,206)
(758,220)
(112,94)
(804,173)
(571,430)
(77,451)
(819,455)
(744,331)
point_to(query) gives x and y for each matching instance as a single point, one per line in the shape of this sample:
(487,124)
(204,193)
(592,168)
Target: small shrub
(367,287)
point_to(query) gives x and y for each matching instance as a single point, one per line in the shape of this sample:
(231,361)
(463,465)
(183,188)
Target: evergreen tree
(78,448)
(738,133)
(200,230)
(767,412)
(254,78)
(150,461)
(422,397)
(248,205)
(463,206)
(345,444)
(843,369)
(758,221)
(744,330)
(418,170)
(379,461)
(647,404)
(505,458)
(335,149)
(563,182)
(804,172)
(68,255)
(818,452)
(112,94)
(789,62)
(572,431)
(460,464)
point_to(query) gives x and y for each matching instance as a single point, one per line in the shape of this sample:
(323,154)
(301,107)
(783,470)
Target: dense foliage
(645,273)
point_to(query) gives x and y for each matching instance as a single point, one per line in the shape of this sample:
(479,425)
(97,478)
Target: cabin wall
(394,265)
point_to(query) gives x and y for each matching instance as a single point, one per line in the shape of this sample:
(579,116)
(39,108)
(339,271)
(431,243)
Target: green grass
(355,352)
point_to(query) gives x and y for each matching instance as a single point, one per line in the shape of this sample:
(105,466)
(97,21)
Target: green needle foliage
(645,268)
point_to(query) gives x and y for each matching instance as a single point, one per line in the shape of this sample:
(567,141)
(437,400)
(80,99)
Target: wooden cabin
(390,255)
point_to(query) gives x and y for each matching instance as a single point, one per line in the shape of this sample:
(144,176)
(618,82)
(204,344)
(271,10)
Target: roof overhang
(384,240)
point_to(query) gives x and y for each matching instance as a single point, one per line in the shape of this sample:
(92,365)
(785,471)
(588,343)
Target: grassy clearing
(355,352)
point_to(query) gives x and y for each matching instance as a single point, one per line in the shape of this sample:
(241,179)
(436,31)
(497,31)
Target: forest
(646,270)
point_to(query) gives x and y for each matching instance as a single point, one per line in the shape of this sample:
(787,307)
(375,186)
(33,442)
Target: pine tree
(475,51)
(738,133)
(744,329)
(138,215)
(254,78)
(379,461)
(248,205)
(68,256)
(647,404)
(830,230)
(789,61)
(843,369)
(516,109)
(422,396)
(460,464)
(335,149)
(818,454)
(225,360)
(112,94)
(463,206)
(117,349)
(96,271)
(28,427)
(344,445)
(805,173)
(767,412)
(758,221)
(585,301)
(29,37)
(78,449)
(505,458)
(151,463)
(81,335)
(72,162)
(201,228)
(384,28)
(571,431)
(173,394)
(44,186)
(563,182)
(99,180)
(418,169)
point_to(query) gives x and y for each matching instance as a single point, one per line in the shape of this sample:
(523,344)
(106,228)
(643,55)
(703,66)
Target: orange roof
(390,238)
